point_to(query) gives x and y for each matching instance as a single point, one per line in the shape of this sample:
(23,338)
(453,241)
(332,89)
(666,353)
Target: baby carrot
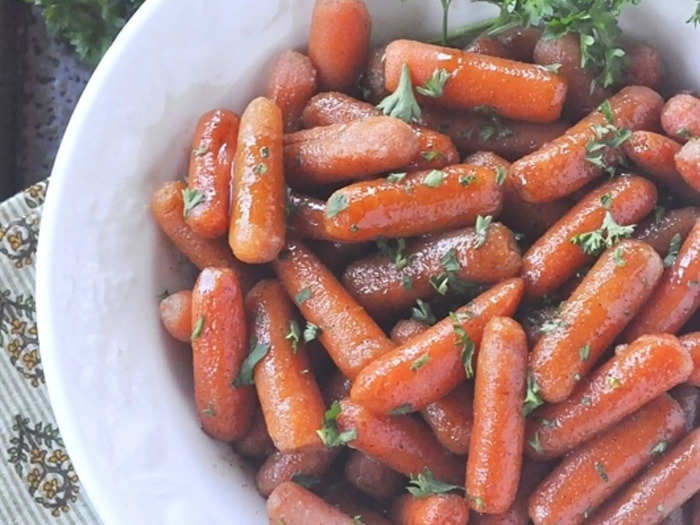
(646,368)
(292,83)
(372,477)
(207,194)
(167,206)
(401,442)
(289,396)
(645,65)
(688,163)
(520,41)
(257,443)
(280,467)
(531,219)
(257,220)
(435,509)
(348,500)
(406,329)
(592,473)
(385,285)
(176,315)
(611,294)
(665,486)
(653,154)
(560,167)
(413,204)
(691,342)
(553,258)
(339,41)
(483,130)
(451,419)
(351,337)
(292,504)
(435,150)
(660,231)
(496,444)
(677,296)
(218,349)
(430,365)
(514,89)
(355,150)
(680,117)
(488,45)
(305,216)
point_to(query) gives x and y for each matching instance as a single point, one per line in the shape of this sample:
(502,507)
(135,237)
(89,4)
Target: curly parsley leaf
(435,86)
(424,484)
(609,233)
(190,199)
(402,103)
(329,434)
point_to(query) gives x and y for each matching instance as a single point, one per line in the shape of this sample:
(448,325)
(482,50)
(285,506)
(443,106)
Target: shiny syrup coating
(435,509)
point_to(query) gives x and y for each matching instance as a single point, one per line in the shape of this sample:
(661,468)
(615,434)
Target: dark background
(40,83)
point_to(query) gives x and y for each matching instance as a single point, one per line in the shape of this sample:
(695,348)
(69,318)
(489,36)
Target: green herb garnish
(402,103)
(255,354)
(191,198)
(673,249)
(337,203)
(424,484)
(197,329)
(423,313)
(435,86)
(532,395)
(329,434)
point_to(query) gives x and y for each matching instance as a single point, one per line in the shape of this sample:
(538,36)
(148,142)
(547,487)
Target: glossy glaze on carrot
(680,117)
(451,419)
(688,164)
(292,504)
(292,83)
(691,342)
(372,477)
(435,509)
(658,232)
(305,216)
(280,467)
(176,315)
(406,329)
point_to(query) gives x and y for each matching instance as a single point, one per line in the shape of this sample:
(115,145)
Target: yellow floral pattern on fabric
(18,335)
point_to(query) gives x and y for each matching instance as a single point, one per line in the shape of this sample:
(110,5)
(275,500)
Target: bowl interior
(120,387)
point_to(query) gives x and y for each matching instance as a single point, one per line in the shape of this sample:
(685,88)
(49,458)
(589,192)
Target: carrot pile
(395,335)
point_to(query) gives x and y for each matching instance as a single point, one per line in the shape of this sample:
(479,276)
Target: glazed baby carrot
(676,298)
(483,130)
(496,444)
(514,89)
(280,467)
(560,167)
(430,365)
(592,473)
(339,41)
(305,216)
(451,418)
(488,45)
(435,150)
(665,486)
(207,194)
(351,337)
(344,497)
(688,163)
(256,443)
(176,314)
(387,283)
(257,220)
(336,255)
(289,396)
(356,150)
(401,442)
(292,504)
(372,477)
(292,83)
(435,509)
(553,258)
(680,117)
(660,231)
(645,66)
(218,350)
(654,154)
(648,367)
(520,42)
(611,294)
(406,329)
(691,342)
(410,205)
(531,219)
(372,83)
(167,206)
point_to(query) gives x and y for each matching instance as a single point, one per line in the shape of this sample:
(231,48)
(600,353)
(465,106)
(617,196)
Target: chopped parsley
(402,409)
(255,354)
(197,328)
(395,255)
(396,177)
(584,352)
(303,295)
(423,313)
(435,86)
(294,335)
(434,178)
(329,434)
(481,228)
(673,249)
(311,332)
(532,395)
(424,484)
(191,198)
(418,363)
(337,203)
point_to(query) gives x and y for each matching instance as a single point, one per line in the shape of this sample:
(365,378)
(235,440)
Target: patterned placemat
(38,484)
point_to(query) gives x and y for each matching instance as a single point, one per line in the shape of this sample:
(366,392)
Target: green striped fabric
(37,482)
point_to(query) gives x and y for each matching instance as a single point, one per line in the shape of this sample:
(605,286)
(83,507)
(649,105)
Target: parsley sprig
(402,102)
(329,433)
(608,137)
(609,233)
(424,484)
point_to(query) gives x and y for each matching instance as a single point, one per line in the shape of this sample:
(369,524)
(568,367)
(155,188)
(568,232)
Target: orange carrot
(688,164)
(406,329)
(520,42)
(451,419)
(593,472)
(430,365)
(344,497)
(257,443)
(355,150)
(401,442)
(418,203)
(560,167)
(612,292)
(281,467)
(292,504)
(676,298)
(351,337)
(645,66)
(292,83)
(646,368)
(665,486)
(289,396)
(435,509)
(496,445)
(257,221)
(372,83)
(691,342)
(372,477)
(305,216)
(660,231)
(176,314)
(514,89)
(435,150)
(488,45)
(680,117)
(385,285)
(218,349)
(338,41)
(207,197)
(553,259)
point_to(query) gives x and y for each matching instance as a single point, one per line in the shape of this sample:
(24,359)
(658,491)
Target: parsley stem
(468,29)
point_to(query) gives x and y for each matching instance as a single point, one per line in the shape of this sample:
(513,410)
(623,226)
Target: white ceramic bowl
(120,388)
